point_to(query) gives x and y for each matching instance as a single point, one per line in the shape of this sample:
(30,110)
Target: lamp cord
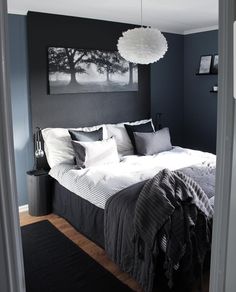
(141,13)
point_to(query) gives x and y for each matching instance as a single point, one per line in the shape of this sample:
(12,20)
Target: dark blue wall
(167,87)
(20,102)
(188,107)
(200,106)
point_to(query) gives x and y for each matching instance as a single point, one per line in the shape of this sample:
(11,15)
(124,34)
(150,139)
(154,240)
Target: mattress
(98,184)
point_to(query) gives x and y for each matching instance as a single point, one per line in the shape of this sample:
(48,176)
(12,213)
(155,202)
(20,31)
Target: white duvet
(98,184)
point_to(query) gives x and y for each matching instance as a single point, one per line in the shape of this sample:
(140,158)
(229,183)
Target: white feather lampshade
(142,45)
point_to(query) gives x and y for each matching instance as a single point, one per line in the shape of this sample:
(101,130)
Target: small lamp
(158,118)
(39,153)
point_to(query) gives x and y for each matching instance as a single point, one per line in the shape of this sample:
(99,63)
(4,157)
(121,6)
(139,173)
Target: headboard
(84,109)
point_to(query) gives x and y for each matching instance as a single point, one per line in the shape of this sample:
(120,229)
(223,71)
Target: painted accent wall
(83,109)
(20,103)
(200,106)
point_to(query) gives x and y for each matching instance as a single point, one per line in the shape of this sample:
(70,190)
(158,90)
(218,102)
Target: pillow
(95,153)
(57,144)
(121,136)
(153,143)
(83,136)
(144,128)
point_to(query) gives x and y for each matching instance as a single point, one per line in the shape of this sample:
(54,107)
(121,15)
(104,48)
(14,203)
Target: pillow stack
(143,128)
(125,145)
(57,144)
(91,150)
(100,145)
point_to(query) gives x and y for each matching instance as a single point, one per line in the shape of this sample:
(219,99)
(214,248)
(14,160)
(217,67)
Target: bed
(81,195)
(88,190)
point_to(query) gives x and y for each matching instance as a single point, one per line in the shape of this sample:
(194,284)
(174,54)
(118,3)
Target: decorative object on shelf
(143,45)
(205,65)
(158,121)
(74,70)
(214,68)
(214,88)
(39,153)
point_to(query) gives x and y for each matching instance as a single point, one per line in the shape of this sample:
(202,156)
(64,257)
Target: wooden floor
(97,253)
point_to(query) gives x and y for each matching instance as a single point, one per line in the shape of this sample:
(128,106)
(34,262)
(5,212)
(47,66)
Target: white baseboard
(23,208)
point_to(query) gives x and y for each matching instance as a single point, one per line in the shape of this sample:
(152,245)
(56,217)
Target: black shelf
(204,74)
(213,91)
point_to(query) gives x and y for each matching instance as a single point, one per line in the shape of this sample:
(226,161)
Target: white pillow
(95,153)
(119,132)
(57,144)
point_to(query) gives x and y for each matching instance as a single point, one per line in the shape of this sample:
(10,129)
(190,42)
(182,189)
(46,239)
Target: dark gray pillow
(83,136)
(142,128)
(153,143)
(80,154)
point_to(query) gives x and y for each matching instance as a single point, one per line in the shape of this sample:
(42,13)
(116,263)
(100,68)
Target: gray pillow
(83,136)
(80,154)
(153,143)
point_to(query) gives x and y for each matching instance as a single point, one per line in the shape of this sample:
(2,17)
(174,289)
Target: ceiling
(176,16)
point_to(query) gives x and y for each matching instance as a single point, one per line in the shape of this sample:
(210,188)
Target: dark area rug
(53,263)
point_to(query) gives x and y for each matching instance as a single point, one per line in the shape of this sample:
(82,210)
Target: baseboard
(23,208)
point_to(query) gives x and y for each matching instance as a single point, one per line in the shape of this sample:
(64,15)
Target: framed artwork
(73,70)
(205,64)
(214,68)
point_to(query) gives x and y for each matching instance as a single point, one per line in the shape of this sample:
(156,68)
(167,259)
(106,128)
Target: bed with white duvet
(98,183)
(102,173)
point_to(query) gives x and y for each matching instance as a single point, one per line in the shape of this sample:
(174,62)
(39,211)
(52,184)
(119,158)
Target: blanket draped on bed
(169,212)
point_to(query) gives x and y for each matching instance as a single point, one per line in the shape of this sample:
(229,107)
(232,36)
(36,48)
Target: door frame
(223,257)
(11,264)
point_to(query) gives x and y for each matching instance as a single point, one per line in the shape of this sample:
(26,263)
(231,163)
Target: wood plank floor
(97,253)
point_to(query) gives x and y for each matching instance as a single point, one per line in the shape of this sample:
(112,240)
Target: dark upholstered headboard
(85,109)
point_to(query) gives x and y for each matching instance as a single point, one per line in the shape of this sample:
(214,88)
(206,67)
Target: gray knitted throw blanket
(172,210)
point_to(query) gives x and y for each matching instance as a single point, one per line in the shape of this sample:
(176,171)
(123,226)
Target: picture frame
(73,70)
(214,68)
(205,65)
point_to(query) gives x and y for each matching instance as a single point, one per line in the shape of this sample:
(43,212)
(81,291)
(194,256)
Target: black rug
(53,263)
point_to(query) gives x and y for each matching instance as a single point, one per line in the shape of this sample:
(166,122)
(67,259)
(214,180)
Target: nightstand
(39,185)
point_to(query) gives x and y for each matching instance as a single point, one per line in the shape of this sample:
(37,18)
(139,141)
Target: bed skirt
(87,218)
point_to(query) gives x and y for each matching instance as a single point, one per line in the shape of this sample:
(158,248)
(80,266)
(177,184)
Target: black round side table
(39,185)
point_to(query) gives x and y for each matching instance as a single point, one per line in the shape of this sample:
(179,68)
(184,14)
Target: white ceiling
(177,16)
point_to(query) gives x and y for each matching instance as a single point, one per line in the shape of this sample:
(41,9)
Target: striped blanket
(168,215)
(174,207)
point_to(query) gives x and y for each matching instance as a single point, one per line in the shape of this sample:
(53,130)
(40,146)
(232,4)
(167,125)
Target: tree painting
(79,71)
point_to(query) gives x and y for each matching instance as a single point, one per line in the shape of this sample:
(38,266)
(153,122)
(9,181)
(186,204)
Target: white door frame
(223,259)
(11,260)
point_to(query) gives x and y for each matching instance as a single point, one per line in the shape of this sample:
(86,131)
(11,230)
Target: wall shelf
(213,91)
(204,74)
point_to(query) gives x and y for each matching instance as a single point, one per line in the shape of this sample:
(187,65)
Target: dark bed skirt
(88,219)
(83,215)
